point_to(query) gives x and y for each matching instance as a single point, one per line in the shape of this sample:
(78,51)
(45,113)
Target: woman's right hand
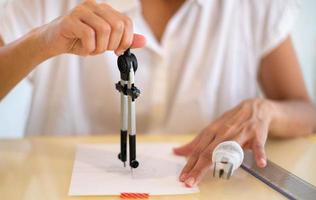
(89,29)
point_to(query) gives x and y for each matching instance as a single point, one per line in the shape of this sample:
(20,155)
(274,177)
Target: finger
(259,153)
(127,38)
(189,165)
(116,22)
(101,28)
(139,41)
(199,170)
(117,30)
(204,161)
(232,124)
(205,139)
(229,124)
(247,145)
(87,38)
(188,148)
(207,136)
(242,138)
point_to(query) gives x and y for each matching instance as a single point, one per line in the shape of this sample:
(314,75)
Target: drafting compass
(127,64)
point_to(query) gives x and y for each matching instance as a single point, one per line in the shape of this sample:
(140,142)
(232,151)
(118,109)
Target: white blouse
(206,63)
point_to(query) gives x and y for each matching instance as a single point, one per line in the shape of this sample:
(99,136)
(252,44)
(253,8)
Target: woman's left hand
(248,124)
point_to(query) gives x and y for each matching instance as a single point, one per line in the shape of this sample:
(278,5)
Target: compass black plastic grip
(123,153)
(132,147)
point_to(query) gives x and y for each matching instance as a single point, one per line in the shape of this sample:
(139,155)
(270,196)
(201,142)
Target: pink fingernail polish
(182,177)
(263,162)
(190,182)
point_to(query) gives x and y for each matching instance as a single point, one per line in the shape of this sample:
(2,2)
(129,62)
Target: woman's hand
(90,29)
(247,124)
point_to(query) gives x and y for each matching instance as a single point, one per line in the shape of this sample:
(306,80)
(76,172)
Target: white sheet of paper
(98,171)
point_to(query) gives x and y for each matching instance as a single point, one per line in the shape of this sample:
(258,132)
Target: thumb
(139,41)
(259,154)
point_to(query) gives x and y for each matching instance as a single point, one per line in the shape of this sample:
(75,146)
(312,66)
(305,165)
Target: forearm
(291,118)
(18,58)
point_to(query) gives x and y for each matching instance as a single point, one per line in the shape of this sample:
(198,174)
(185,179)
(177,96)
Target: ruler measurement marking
(279,179)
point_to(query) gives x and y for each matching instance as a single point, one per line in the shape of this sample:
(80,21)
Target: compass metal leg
(124,122)
(132,120)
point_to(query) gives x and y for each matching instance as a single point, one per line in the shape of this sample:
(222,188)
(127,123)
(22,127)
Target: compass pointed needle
(132,173)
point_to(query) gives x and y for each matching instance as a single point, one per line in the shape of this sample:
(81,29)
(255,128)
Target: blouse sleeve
(273,23)
(17,17)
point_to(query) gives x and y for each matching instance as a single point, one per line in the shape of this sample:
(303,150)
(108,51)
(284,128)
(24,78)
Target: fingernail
(183,176)
(190,182)
(118,53)
(263,162)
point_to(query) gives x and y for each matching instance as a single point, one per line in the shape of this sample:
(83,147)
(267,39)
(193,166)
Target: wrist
(38,37)
(271,111)
(264,108)
(30,49)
